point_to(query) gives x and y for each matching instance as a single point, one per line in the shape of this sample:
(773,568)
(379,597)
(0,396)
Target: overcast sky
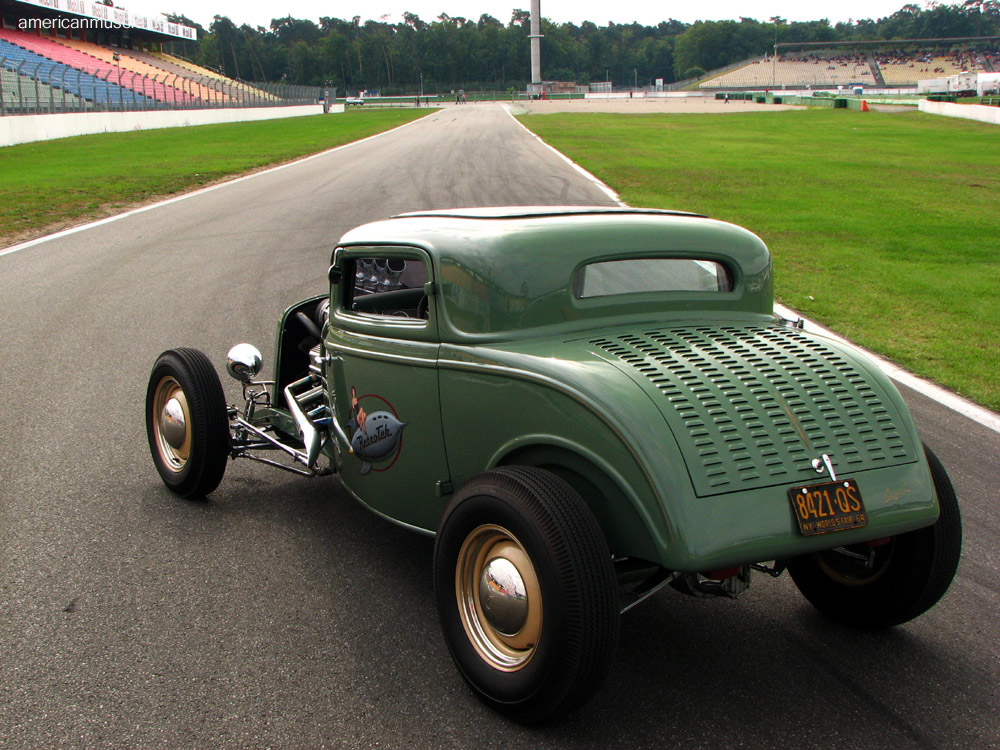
(646,12)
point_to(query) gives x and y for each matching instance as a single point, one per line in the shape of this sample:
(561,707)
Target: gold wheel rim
(842,573)
(488,547)
(171,424)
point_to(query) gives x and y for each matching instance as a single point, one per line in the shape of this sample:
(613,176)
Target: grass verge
(53,184)
(882,226)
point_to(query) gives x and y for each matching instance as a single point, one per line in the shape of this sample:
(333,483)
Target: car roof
(524,257)
(535,212)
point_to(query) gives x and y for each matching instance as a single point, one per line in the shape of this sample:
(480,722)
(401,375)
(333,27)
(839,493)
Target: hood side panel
(752,406)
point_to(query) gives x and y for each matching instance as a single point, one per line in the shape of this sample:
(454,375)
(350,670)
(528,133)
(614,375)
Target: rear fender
(605,492)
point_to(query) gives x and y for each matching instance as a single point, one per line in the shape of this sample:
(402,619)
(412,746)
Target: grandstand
(35,95)
(787,72)
(896,64)
(74,56)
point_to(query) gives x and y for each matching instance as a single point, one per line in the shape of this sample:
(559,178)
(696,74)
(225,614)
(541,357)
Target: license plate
(829,506)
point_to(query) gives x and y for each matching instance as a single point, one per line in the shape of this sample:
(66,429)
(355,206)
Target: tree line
(486,54)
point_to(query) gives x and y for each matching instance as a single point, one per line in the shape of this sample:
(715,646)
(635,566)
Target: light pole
(117,58)
(774,60)
(635,78)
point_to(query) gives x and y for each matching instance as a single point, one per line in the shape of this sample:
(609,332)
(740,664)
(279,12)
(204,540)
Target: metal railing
(28,87)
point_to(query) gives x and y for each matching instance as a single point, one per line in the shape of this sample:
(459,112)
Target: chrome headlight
(244,362)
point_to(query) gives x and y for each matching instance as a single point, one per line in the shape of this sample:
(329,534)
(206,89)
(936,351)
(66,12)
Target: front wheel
(186,422)
(893,582)
(526,592)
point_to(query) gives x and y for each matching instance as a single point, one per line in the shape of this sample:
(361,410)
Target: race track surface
(279,613)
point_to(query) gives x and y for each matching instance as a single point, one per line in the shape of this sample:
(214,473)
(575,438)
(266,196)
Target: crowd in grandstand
(894,67)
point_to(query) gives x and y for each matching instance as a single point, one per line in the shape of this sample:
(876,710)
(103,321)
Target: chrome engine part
(261,427)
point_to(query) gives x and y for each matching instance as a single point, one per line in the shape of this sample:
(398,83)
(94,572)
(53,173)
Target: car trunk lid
(752,406)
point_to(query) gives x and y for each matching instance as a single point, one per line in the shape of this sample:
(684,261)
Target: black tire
(551,648)
(187,423)
(911,572)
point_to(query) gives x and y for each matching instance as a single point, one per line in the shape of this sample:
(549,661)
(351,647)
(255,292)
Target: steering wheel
(422,307)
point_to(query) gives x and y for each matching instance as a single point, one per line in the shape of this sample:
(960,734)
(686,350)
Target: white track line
(100,222)
(600,185)
(953,401)
(934,392)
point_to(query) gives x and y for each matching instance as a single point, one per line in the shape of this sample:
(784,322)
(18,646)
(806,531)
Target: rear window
(638,275)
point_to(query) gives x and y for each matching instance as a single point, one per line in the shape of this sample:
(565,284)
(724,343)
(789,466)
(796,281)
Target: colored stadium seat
(104,69)
(162,85)
(83,84)
(20,94)
(245,90)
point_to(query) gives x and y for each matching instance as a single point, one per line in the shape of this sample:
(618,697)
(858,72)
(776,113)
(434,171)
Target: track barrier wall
(29,128)
(978,112)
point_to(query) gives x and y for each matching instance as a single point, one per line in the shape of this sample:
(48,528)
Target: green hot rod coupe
(583,405)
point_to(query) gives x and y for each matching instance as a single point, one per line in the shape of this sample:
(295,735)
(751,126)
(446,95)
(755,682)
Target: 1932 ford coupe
(584,405)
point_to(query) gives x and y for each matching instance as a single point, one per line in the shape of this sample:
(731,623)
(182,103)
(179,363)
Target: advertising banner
(109,16)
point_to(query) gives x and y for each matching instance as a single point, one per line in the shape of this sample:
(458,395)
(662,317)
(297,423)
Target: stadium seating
(212,86)
(816,71)
(21,94)
(230,84)
(903,71)
(83,84)
(828,69)
(160,85)
(105,69)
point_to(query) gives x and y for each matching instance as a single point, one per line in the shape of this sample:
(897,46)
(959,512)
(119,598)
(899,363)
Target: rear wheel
(880,585)
(186,422)
(526,592)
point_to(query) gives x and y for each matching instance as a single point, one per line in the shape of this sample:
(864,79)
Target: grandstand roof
(887,42)
(156,23)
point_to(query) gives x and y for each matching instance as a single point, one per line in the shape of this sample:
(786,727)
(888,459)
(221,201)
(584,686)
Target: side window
(386,286)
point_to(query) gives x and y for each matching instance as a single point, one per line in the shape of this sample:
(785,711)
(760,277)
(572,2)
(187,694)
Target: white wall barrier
(27,128)
(965,111)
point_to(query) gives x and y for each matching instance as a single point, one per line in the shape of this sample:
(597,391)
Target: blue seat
(60,76)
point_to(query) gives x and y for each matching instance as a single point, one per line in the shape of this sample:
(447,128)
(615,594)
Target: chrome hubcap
(499,597)
(503,597)
(171,423)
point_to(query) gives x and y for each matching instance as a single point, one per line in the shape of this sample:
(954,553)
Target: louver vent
(751,407)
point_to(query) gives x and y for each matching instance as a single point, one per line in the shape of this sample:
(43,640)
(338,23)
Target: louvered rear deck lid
(751,407)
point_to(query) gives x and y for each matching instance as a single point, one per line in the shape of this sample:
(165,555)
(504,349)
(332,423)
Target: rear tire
(187,423)
(526,593)
(908,576)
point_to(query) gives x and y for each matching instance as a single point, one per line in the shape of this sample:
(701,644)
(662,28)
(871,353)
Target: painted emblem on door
(376,436)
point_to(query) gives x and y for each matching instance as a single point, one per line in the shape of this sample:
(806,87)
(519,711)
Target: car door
(383,343)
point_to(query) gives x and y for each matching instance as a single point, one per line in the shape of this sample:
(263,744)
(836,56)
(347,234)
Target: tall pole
(776,20)
(535,38)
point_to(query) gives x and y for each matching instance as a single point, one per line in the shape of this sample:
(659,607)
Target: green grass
(882,226)
(50,184)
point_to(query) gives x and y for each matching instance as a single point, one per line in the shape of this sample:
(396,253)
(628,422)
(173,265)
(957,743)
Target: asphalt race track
(280,613)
